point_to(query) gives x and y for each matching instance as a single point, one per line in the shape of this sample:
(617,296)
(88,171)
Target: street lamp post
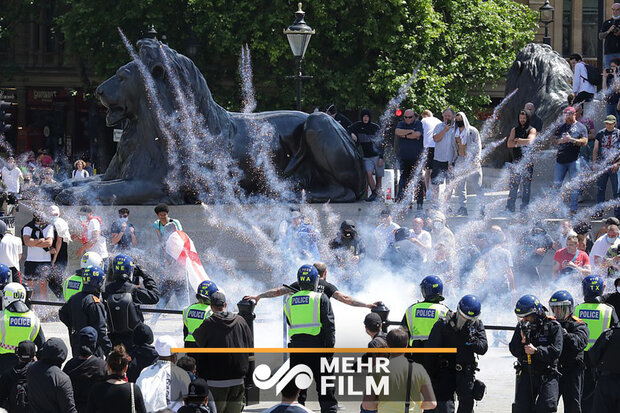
(546,17)
(298,35)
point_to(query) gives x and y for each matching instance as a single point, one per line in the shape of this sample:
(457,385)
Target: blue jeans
(560,172)
(523,177)
(601,184)
(608,58)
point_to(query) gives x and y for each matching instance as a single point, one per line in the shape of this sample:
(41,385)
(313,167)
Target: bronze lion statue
(161,158)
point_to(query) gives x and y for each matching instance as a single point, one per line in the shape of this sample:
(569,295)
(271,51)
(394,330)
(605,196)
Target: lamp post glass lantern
(298,35)
(546,17)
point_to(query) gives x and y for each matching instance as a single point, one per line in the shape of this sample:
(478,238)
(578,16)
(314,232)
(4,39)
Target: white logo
(301,373)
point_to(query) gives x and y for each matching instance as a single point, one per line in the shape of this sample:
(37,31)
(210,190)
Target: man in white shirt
(38,237)
(584,90)
(11,175)
(420,238)
(10,251)
(385,231)
(429,122)
(92,238)
(598,253)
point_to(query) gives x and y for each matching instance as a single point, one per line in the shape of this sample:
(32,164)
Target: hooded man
(85,369)
(49,388)
(468,166)
(348,247)
(364,132)
(143,353)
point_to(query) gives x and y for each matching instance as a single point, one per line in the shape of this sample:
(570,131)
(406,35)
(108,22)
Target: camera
(615,29)
(610,71)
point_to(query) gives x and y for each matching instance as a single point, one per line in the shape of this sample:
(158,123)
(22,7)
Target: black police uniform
(538,387)
(455,373)
(86,309)
(122,331)
(325,339)
(575,335)
(605,357)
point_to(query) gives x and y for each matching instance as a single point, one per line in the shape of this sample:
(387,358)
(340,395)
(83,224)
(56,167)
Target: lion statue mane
(312,151)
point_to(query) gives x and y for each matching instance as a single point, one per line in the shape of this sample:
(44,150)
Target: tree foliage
(360,55)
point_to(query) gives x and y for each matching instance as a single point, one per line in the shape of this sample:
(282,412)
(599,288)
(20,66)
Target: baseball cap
(218,299)
(54,210)
(570,109)
(25,350)
(610,119)
(198,388)
(372,321)
(164,345)
(385,212)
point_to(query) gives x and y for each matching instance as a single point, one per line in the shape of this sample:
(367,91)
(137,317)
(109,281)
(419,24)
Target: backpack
(18,400)
(122,312)
(594,77)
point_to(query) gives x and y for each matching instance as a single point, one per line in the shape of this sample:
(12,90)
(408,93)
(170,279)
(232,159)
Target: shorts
(372,165)
(439,173)
(429,158)
(34,270)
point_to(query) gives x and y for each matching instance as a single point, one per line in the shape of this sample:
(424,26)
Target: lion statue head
(140,98)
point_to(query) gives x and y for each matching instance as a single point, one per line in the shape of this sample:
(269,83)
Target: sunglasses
(408,117)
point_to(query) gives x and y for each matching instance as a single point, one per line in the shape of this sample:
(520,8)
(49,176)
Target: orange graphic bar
(448,350)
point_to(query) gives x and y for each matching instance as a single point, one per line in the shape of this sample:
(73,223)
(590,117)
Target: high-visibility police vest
(302,310)
(72,286)
(193,316)
(421,317)
(17,327)
(598,318)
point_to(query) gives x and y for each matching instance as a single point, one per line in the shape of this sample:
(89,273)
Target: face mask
(11,166)
(438,225)
(123,219)
(611,240)
(83,218)
(460,123)
(347,235)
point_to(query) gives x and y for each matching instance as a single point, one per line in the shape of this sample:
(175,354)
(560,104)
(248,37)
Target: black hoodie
(49,388)
(8,387)
(367,136)
(84,373)
(143,354)
(227,330)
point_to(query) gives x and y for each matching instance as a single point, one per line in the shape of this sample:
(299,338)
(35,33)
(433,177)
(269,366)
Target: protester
(49,388)
(10,251)
(468,162)
(143,353)
(610,240)
(13,384)
(115,394)
(60,244)
(289,404)
(582,88)
(122,232)
(38,236)
(92,236)
(198,399)
(411,146)
(521,137)
(384,232)
(79,172)
(365,134)
(429,123)
(570,260)
(606,159)
(85,369)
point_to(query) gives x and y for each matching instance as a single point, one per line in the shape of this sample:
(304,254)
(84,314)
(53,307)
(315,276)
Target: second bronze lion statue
(312,151)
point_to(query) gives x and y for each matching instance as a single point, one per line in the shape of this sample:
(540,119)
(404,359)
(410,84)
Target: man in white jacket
(584,90)
(468,165)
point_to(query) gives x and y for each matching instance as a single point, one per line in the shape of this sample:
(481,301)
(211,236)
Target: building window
(567,28)
(589,34)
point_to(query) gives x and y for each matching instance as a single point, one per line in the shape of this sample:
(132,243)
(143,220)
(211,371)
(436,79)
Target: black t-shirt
(612,42)
(520,133)
(366,138)
(608,143)
(324,287)
(105,397)
(569,152)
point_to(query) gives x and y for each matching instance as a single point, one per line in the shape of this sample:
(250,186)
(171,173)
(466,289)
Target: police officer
(449,374)
(605,357)
(195,314)
(420,318)
(17,323)
(574,338)
(311,324)
(5,278)
(122,299)
(85,309)
(537,345)
(73,284)
(599,317)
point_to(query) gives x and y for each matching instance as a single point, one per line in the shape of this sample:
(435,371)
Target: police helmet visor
(561,310)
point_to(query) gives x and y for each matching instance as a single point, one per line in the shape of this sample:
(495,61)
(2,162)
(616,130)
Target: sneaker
(462,211)
(372,197)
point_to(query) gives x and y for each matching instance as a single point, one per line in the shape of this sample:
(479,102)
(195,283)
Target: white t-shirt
(38,254)
(385,236)
(600,248)
(429,125)
(80,174)
(425,238)
(10,250)
(11,178)
(100,246)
